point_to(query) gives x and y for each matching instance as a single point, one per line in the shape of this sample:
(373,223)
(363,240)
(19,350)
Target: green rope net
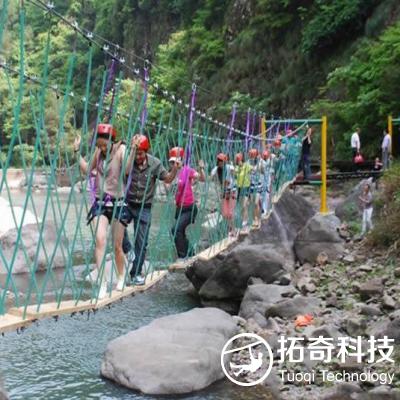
(46,247)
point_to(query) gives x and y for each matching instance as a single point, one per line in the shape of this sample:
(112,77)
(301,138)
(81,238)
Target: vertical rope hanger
(110,86)
(247,137)
(143,117)
(253,129)
(188,152)
(228,143)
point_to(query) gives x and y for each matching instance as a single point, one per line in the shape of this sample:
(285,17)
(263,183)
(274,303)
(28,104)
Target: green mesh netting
(46,247)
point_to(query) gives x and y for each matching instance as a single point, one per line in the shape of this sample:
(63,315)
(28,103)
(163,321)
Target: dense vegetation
(292,58)
(387,228)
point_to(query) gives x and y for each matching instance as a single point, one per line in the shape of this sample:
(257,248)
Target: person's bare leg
(101,223)
(118,236)
(257,210)
(245,214)
(233,208)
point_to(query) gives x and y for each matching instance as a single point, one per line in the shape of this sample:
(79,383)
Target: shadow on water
(61,360)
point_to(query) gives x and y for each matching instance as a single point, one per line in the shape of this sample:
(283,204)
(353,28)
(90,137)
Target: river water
(60,360)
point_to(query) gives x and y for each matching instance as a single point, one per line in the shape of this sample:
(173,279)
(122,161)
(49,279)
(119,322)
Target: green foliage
(25,152)
(3,157)
(363,92)
(333,20)
(387,228)
(283,57)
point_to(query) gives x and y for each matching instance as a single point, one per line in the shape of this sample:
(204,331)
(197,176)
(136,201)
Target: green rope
(167,126)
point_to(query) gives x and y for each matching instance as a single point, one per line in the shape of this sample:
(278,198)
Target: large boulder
(230,278)
(8,213)
(266,253)
(342,391)
(320,234)
(291,308)
(199,272)
(392,330)
(172,355)
(349,209)
(28,246)
(258,297)
(288,217)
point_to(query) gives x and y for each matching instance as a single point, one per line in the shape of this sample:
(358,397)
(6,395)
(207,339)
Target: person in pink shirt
(186,208)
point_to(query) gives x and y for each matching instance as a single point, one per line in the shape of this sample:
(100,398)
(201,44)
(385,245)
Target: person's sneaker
(139,280)
(120,284)
(103,290)
(92,276)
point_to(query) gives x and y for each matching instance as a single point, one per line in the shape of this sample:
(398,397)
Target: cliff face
(287,58)
(291,58)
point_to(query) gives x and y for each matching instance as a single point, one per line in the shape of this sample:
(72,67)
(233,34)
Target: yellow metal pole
(324,135)
(390,130)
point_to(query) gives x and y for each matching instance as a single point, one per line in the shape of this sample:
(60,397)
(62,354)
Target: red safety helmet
(253,153)
(106,131)
(265,154)
(239,157)
(144,143)
(222,157)
(176,153)
(277,143)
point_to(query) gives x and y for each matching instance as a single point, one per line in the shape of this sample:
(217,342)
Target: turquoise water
(60,360)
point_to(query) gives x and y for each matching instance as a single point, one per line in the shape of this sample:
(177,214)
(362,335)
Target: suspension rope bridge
(47,262)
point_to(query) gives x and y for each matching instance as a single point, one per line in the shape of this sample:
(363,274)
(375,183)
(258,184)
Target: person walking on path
(377,168)
(386,149)
(355,143)
(366,204)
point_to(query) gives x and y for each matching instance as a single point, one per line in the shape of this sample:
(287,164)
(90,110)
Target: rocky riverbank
(318,268)
(302,276)
(354,294)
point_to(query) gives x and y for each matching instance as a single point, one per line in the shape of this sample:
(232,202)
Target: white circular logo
(251,355)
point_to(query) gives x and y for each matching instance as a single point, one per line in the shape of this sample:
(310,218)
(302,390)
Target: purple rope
(247,140)
(269,130)
(110,76)
(143,117)
(230,133)
(188,152)
(277,129)
(253,128)
(110,85)
(92,188)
